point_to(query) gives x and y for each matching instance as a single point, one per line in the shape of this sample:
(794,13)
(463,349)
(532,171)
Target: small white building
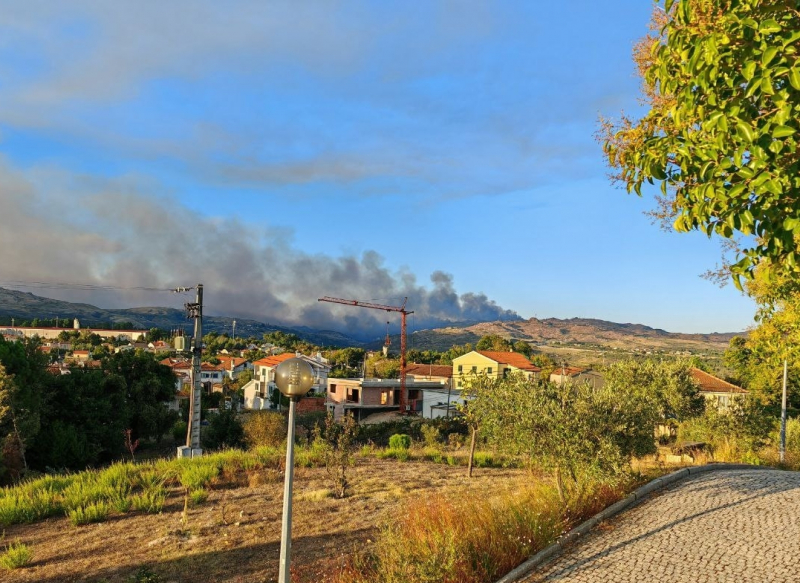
(258,392)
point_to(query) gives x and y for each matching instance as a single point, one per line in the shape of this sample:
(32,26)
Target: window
(384,398)
(489,370)
(460,369)
(332,388)
(474,369)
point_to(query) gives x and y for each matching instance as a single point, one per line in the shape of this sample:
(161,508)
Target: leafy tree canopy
(721,79)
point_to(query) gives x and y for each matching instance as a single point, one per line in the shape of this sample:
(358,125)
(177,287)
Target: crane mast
(403,314)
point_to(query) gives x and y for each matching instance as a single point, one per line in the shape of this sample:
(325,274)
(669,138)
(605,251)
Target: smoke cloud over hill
(117,233)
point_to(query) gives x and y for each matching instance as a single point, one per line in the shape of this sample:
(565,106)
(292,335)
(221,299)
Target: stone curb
(629,501)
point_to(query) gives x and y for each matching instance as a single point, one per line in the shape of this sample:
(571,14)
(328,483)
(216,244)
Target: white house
(257,392)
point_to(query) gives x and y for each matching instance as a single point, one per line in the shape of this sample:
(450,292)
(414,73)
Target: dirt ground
(234,536)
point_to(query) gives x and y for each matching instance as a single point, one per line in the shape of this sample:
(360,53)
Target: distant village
(433,390)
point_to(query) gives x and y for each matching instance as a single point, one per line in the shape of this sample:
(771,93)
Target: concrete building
(493,364)
(363,397)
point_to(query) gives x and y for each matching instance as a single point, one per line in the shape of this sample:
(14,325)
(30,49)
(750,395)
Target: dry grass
(235,534)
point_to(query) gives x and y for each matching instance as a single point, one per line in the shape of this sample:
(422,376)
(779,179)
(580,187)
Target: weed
(145,575)
(399,441)
(16,555)
(198,475)
(94,512)
(150,500)
(198,496)
(431,436)
(316,495)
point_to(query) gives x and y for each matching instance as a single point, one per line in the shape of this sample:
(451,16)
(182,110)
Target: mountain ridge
(538,332)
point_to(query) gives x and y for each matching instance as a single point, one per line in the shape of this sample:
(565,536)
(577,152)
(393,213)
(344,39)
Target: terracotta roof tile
(434,370)
(514,359)
(711,384)
(273,361)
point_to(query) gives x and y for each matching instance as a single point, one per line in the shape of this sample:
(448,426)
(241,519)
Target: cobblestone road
(739,526)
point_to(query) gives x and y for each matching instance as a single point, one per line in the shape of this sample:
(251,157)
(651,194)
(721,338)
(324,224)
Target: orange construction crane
(403,314)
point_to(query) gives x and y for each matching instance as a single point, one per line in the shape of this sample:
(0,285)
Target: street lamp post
(782,447)
(294,378)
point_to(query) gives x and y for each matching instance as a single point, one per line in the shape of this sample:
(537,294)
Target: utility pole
(195,312)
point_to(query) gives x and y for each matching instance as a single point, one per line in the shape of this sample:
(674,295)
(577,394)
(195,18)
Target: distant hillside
(584,332)
(27,306)
(551,332)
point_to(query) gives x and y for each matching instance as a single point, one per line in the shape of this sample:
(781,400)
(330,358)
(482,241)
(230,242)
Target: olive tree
(575,431)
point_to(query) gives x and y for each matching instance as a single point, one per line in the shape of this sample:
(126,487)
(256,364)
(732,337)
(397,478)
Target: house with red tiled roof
(494,364)
(717,391)
(573,374)
(233,365)
(258,392)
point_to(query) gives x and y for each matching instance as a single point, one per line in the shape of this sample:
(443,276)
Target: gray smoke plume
(117,233)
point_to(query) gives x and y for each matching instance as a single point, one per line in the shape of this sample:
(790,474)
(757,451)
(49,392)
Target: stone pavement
(739,526)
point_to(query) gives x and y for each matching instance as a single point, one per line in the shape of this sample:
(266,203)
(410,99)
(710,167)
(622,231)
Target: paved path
(739,526)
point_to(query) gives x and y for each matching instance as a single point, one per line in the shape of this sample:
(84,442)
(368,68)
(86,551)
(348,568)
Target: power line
(87,286)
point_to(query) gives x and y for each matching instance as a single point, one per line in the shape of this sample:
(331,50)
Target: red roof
(514,359)
(273,361)
(433,370)
(230,362)
(711,384)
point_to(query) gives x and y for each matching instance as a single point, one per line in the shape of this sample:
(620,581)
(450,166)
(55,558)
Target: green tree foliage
(83,416)
(287,341)
(494,342)
(224,430)
(346,362)
(757,361)
(670,383)
(523,348)
(573,430)
(455,352)
(544,362)
(721,79)
(741,430)
(149,387)
(25,380)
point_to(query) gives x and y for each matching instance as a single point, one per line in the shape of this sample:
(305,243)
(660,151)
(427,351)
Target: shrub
(179,431)
(198,474)
(150,501)
(466,540)
(336,443)
(145,575)
(198,496)
(455,440)
(399,441)
(95,512)
(16,555)
(733,435)
(430,435)
(264,428)
(224,431)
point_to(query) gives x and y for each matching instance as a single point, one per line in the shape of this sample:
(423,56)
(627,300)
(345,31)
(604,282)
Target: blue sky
(282,151)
